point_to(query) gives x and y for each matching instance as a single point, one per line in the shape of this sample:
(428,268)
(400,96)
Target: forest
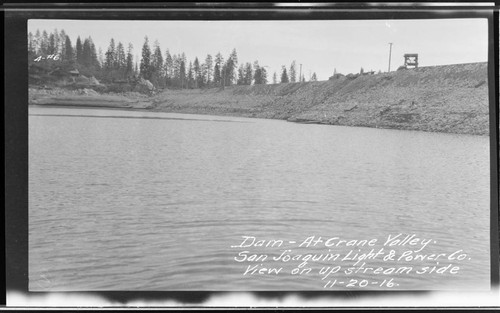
(118,64)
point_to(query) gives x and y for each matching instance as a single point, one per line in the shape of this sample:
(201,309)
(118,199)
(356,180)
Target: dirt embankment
(88,98)
(451,98)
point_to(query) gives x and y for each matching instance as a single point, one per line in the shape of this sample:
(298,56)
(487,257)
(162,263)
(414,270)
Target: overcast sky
(320,46)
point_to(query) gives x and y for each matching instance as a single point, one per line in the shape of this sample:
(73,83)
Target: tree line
(58,46)
(162,69)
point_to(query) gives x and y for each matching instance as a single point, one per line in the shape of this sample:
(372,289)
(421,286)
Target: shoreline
(132,109)
(445,99)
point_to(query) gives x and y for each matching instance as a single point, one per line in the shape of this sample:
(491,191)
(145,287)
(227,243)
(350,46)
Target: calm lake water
(127,200)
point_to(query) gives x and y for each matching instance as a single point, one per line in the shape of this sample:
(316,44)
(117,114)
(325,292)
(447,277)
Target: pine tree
(79,50)
(293,72)
(241,75)
(256,73)
(57,44)
(234,57)
(101,57)
(68,56)
(146,60)
(230,68)
(93,55)
(183,58)
(86,58)
(51,49)
(109,63)
(121,59)
(190,76)
(219,62)
(209,69)
(62,43)
(248,73)
(284,75)
(44,43)
(176,65)
(224,75)
(31,45)
(260,74)
(203,69)
(157,65)
(263,74)
(168,68)
(36,42)
(130,61)
(198,77)
(182,70)
(313,77)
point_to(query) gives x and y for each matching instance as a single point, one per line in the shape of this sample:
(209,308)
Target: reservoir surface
(130,200)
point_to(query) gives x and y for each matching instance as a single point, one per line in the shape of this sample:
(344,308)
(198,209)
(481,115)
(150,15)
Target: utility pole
(390,51)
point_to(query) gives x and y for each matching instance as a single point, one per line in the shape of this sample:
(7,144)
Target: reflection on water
(156,203)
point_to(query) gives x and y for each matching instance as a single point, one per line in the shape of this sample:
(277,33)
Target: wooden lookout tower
(411,59)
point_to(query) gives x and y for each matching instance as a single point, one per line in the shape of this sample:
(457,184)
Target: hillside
(450,98)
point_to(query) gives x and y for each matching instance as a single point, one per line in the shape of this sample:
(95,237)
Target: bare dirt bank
(88,98)
(450,98)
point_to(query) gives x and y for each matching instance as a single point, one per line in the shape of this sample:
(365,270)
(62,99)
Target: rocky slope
(450,98)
